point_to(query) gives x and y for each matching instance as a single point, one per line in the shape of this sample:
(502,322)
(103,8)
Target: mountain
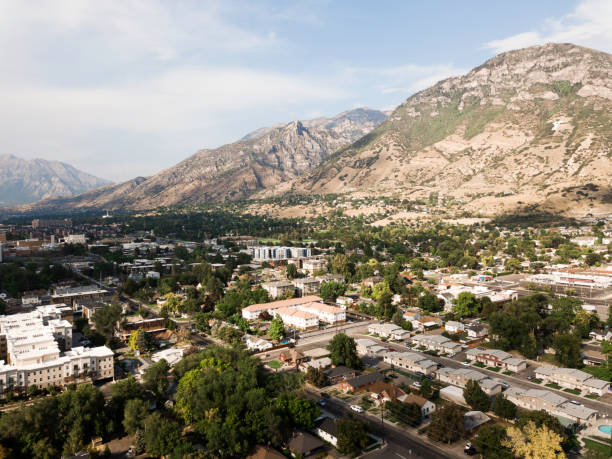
(528,127)
(261,160)
(25,181)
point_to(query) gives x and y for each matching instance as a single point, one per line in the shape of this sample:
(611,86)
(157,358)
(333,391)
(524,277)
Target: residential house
(292,357)
(411,361)
(326,429)
(302,444)
(361,382)
(367,347)
(382,392)
(477,330)
(389,331)
(474,419)
(437,343)
(254,343)
(371,281)
(460,376)
(318,364)
(426,406)
(426,322)
(265,452)
(453,326)
(601,335)
(571,378)
(497,359)
(339,373)
(553,403)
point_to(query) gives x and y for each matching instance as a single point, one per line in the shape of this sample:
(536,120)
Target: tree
(475,396)
(316,377)
(339,264)
(135,413)
(466,305)
(426,390)
(330,291)
(503,408)
(302,412)
(609,321)
(407,413)
(352,435)
(161,434)
(140,340)
(292,271)
(489,442)
(277,328)
(567,350)
(106,320)
(446,424)
(534,442)
(155,379)
(429,302)
(344,351)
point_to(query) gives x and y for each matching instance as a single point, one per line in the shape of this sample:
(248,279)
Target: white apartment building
(497,359)
(30,345)
(324,312)
(460,376)
(389,331)
(75,239)
(296,318)
(437,343)
(253,311)
(411,361)
(271,253)
(553,403)
(570,378)
(448,293)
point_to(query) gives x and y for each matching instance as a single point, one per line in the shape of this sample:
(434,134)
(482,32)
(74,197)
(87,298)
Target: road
(399,442)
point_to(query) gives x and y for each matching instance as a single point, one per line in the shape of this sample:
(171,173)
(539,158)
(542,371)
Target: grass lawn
(592,396)
(537,381)
(479,365)
(508,373)
(493,369)
(275,364)
(572,391)
(553,386)
(598,449)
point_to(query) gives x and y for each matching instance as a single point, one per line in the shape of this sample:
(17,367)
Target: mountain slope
(262,160)
(532,126)
(24,181)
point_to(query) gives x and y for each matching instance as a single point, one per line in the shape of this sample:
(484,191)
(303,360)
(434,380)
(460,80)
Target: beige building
(411,361)
(538,399)
(459,377)
(570,378)
(497,359)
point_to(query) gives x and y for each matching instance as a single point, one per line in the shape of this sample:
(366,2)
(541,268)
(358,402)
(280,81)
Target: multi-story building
(369,348)
(437,343)
(312,265)
(37,351)
(296,318)
(570,378)
(411,361)
(460,376)
(71,295)
(306,285)
(539,399)
(75,239)
(274,253)
(278,288)
(496,358)
(324,312)
(253,311)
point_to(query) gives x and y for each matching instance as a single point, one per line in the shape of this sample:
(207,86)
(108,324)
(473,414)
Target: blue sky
(127,88)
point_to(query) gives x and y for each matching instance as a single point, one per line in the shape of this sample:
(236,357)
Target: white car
(417,384)
(357,408)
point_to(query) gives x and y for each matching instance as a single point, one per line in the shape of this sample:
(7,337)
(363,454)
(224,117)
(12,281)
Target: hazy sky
(130,87)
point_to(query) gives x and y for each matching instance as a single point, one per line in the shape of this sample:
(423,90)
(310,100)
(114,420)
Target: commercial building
(72,295)
(497,359)
(570,378)
(593,277)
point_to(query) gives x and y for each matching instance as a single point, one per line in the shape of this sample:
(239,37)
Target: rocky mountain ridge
(25,181)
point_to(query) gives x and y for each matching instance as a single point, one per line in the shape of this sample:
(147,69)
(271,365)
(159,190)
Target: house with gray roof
(460,376)
(571,378)
(411,361)
(496,358)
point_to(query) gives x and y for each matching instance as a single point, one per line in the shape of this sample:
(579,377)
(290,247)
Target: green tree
(503,408)
(352,435)
(161,434)
(475,396)
(302,412)
(277,328)
(292,271)
(426,390)
(446,424)
(339,264)
(429,302)
(567,350)
(330,291)
(106,320)
(466,305)
(316,377)
(135,413)
(489,442)
(344,351)
(406,413)
(155,379)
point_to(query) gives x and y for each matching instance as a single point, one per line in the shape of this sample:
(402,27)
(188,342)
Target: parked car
(321,402)
(357,408)
(417,384)
(530,377)
(324,395)
(575,402)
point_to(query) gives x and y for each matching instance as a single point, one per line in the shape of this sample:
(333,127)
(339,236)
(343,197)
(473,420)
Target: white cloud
(589,25)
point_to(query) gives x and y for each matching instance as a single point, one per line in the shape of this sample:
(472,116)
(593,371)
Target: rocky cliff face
(24,181)
(532,126)
(260,161)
